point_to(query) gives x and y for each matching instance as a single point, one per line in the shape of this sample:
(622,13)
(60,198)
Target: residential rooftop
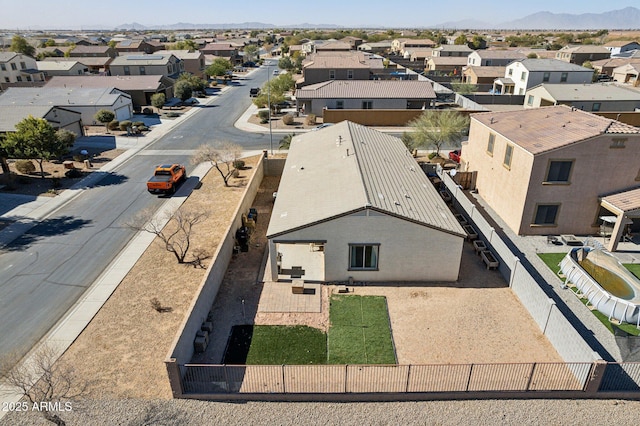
(375,89)
(538,130)
(348,168)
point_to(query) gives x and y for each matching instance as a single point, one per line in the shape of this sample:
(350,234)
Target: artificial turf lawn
(359,334)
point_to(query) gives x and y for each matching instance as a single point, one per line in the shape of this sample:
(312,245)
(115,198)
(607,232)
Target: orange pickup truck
(166,178)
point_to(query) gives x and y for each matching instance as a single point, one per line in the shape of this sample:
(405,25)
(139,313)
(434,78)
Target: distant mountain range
(623,19)
(241,26)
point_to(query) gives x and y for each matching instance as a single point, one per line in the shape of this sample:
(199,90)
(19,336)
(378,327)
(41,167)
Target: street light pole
(269,105)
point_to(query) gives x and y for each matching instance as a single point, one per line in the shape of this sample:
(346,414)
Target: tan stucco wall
(597,170)
(505,190)
(408,251)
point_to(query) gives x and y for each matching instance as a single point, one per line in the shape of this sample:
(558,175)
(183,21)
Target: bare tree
(175,232)
(44,381)
(223,158)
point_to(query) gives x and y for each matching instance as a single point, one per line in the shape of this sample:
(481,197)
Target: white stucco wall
(407,251)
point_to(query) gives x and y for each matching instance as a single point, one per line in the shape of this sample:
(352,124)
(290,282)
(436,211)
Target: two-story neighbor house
(17,68)
(495,58)
(127,46)
(365,94)
(583,53)
(459,50)
(373,217)
(167,65)
(587,97)
(85,101)
(617,47)
(324,66)
(194,62)
(523,74)
(546,170)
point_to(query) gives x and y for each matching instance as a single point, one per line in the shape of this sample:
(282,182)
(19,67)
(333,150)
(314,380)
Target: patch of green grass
(292,345)
(360,331)
(552,260)
(634,268)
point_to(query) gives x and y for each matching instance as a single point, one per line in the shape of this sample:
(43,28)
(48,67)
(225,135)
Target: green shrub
(288,119)
(79,158)
(114,125)
(263,114)
(25,166)
(238,164)
(173,114)
(124,125)
(432,155)
(311,119)
(138,123)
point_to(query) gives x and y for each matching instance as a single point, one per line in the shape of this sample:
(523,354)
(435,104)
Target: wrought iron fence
(523,377)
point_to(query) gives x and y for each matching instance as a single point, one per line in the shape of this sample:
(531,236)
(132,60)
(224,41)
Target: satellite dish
(453,172)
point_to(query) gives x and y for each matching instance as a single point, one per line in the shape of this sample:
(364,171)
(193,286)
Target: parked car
(166,178)
(322,126)
(455,155)
(249,64)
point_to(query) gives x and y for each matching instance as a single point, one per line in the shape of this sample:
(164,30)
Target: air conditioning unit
(316,246)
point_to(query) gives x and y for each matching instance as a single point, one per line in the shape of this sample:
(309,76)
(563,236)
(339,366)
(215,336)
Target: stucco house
(617,47)
(166,64)
(373,216)
(58,117)
(495,58)
(458,50)
(85,101)
(17,68)
(365,94)
(375,47)
(194,62)
(52,68)
(93,52)
(523,74)
(139,87)
(587,97)
(324,66)
(545,171)
(583,53)
(627,73)
(481,75)
(446,64)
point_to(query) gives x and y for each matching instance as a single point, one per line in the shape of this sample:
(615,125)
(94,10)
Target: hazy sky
(75,14)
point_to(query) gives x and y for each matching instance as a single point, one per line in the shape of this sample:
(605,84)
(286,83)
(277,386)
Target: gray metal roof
(349,167)
(60,96)
(370,89)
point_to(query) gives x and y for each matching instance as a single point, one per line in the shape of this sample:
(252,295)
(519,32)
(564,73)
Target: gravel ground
(473,412)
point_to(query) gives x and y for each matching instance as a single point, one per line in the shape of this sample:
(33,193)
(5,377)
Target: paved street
(49,266)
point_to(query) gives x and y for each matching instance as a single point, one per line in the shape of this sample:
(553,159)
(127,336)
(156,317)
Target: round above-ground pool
(608,286)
